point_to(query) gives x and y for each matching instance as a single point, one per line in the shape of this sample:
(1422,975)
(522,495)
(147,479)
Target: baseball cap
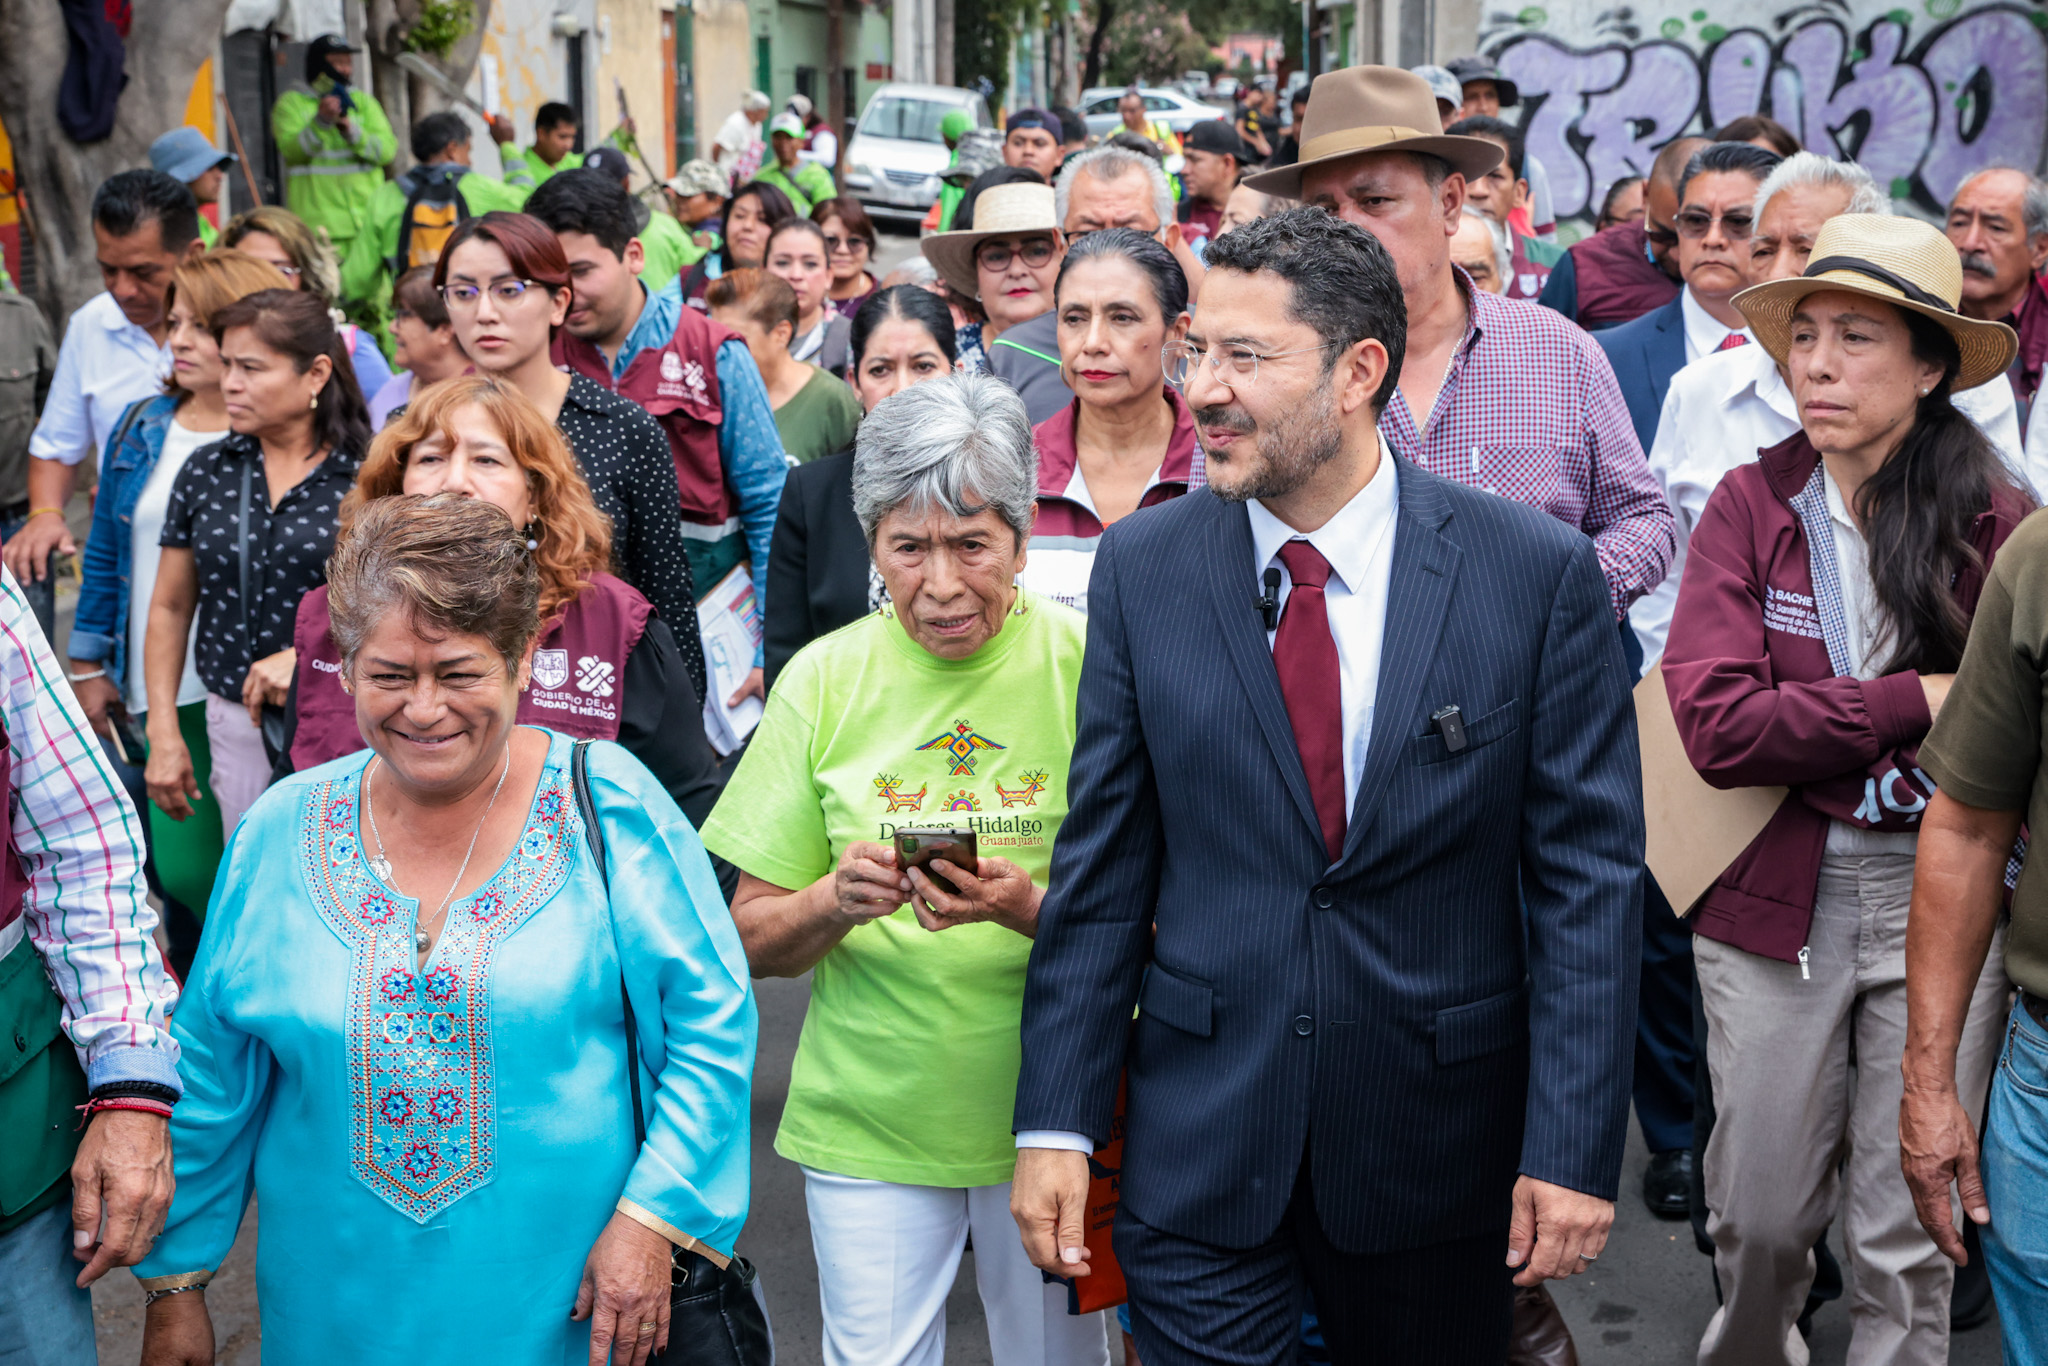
(698,176)
(954,124)
(1441,83)
(786,123)
(1214,135)
(1041,119)
(184,155)
(609,161)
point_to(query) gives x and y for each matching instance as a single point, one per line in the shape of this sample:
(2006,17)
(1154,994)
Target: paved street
(1646,1304)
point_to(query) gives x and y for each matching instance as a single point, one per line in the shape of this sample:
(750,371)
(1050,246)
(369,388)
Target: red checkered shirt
(1530,410)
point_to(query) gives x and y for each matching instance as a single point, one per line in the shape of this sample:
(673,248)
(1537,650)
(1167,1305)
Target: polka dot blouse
(632,476)
(288,546)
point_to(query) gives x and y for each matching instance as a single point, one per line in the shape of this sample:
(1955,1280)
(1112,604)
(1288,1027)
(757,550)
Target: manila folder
(1695,830)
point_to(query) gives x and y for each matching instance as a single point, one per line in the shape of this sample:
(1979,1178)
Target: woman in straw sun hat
(1009,261)
(1826,602)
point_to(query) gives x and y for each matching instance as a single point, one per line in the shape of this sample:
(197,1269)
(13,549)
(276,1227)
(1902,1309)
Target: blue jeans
(45,1320)
(2015,1163)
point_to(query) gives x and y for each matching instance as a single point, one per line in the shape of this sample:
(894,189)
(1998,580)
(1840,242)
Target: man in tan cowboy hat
(1494,392)
(1009,261)
(1827,599)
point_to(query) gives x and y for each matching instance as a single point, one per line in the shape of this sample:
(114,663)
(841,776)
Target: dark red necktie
(1731,341)
(1305,656)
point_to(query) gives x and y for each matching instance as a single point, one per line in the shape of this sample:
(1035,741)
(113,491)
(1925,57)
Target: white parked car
(1162,105)
(894,160)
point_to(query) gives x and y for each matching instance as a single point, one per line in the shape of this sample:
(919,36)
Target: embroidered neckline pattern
(423,1110)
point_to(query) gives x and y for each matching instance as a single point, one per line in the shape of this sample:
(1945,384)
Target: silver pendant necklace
(381,863)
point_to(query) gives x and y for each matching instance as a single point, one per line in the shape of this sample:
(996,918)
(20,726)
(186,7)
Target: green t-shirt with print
(907,1067)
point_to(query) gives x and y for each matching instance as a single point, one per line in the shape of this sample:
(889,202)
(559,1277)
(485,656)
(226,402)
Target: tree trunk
(1091,70)
(406,98)
(57,176)
(942,41)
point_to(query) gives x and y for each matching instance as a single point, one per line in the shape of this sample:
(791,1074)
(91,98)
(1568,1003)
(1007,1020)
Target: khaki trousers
(1807,1087)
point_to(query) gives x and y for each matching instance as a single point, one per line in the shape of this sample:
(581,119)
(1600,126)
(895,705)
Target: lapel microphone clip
(1268,602)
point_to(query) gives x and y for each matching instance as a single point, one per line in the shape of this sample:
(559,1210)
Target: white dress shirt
(1704,333)
(1359,544)
(105,364)
(1724,408)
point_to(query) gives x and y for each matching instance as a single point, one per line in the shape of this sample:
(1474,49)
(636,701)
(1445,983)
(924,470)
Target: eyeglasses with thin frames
(1234,365)
(504,291)
(845,243)
(997,255)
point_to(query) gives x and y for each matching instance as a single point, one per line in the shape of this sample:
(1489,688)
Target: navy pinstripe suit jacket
(1454,1000)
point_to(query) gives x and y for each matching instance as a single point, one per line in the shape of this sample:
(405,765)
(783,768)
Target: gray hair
(961,443)
(1811,171)
(2033,199)
(754,102)
(1112,163)
(1503,252)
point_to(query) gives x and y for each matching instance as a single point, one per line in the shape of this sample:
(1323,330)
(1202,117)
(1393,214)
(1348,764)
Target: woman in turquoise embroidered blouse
(404,1030)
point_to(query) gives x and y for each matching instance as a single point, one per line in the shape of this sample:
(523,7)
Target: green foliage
(442,24)
(982,30)
(1150,41)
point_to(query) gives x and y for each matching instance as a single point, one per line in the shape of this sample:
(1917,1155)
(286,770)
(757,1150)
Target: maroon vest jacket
(579,672)
(677,384)
(1616,279)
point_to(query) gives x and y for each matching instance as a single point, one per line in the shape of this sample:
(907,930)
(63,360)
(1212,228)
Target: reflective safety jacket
(330,175)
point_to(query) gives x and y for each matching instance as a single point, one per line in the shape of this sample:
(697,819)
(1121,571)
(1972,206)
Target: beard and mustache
(1291,448)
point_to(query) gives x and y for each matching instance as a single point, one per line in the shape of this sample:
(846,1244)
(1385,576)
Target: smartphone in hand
(917,849)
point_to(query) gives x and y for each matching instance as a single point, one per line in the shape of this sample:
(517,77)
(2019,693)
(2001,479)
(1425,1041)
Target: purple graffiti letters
(1990,75)
(1540,66)
(1973,94)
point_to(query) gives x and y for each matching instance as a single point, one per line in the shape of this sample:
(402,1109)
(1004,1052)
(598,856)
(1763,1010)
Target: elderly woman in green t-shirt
(952,707)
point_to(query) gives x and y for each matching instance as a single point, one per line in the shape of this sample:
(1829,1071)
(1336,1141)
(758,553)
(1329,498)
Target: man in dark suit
(1715,199)
(1364,850)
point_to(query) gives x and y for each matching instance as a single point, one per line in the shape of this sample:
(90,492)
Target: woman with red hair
(506,283)
(606,666)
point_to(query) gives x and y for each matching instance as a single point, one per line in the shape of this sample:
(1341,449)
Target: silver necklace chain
(381,864)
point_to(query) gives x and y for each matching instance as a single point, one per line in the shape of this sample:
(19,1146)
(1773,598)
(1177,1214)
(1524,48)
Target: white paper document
(730,621)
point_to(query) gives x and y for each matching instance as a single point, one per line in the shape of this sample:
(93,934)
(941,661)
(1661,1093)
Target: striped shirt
(1530,410)
(80,843)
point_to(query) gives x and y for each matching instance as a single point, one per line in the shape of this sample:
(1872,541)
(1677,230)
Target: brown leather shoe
(1541,1338)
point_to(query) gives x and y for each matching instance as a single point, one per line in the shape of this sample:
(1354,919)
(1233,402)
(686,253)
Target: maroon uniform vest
(678,385)
(579,672)
(1616,279)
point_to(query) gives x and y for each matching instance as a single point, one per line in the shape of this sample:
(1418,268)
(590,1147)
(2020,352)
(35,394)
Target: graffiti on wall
(1920,107)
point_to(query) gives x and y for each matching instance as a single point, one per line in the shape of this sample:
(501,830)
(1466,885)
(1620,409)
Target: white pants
(241,766)
(887,1257)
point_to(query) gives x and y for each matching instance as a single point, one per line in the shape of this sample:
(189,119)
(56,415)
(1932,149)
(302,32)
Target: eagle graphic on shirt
(961,745)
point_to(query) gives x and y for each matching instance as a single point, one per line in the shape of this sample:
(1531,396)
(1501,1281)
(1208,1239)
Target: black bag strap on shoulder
(716,1316)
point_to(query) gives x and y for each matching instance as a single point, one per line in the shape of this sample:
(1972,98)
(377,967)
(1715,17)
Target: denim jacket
(100,630)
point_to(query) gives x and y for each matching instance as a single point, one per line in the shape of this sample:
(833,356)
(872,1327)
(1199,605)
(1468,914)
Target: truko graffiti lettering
(1973,93)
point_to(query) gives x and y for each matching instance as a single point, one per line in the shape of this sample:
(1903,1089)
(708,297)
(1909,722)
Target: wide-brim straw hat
(1374,109)
(999,211)
(1901,261)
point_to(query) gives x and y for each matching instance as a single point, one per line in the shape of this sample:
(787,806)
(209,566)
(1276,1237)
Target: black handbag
(273,715)
(715,1314)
